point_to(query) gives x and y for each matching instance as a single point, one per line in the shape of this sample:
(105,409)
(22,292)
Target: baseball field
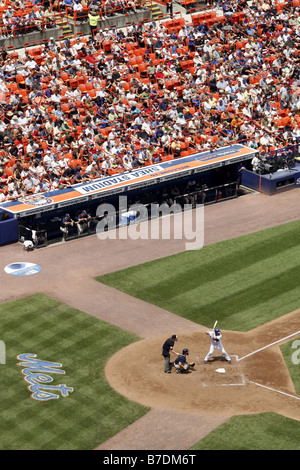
(83,339)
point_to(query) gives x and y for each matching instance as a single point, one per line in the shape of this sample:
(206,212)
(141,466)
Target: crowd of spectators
(20,17)
(89,107)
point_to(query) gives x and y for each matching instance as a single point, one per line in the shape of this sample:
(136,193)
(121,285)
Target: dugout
(8,228)
(39,216)
(278,170)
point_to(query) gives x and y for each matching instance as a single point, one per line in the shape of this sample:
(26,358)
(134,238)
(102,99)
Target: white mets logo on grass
(22,269)
(36,374)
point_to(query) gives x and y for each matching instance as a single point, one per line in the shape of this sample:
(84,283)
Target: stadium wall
(83,28)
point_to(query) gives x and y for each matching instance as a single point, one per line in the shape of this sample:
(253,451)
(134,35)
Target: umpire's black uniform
(166,348)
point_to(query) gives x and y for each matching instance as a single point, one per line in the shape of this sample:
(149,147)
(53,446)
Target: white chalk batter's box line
(246,382)
(242,383)
(296,397)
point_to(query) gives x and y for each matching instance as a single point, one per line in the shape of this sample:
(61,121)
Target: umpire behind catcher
(166,349)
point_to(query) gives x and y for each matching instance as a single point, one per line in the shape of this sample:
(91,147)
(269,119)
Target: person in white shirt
(90,169)
(186,95)
(138,121)
(31,147)
(63,163)
(31,64)
(172,113)
(55,97)
(77,7)
(14,100)
(180,122)
(264,140)
(47,160)
(40,170)
(131,97)
(296,133)
(106,165)
(207,47)
(216,343)
(206,106)
(247,111)
(28,184)
(127,161)
(2,196)
(182,33)
(39,188)
(166,141)
(255,164)
(22,120)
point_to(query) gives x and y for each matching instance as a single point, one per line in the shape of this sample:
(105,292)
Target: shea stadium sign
(120,183)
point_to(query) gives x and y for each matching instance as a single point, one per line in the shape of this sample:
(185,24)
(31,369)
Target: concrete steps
(65,26)
(155,9)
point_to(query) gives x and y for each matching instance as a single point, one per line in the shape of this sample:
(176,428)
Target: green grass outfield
(55,332)
(265,431)
(242,283)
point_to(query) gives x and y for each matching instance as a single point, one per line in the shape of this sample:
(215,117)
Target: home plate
(221,370)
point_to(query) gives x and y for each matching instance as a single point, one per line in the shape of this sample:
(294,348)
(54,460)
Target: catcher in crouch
(181,364)
(216,343)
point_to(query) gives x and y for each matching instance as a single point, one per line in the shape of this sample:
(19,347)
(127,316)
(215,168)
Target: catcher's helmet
(217,332)
(185,351)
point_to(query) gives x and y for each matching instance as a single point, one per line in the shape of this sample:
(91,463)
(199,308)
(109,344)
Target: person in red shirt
(90,59)
(82,53)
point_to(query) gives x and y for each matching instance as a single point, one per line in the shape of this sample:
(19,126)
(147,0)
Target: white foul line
(274,390)
(269,345)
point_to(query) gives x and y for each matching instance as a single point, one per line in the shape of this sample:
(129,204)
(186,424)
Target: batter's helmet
(185,351)
(217,331)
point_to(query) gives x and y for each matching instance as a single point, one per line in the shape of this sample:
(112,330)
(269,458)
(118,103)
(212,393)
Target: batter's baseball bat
(216,322)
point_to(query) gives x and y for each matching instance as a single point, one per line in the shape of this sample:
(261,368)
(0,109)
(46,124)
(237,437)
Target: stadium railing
(38,237)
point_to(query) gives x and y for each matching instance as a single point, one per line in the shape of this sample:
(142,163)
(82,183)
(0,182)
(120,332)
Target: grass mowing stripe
(82,344)
(215,271)
(193,282)
(255,278)
(255,295)
(229,255)
(252,316)
(265,431)
(253,274)
(225,280)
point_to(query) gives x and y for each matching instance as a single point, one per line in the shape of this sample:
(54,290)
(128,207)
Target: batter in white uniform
(216,343)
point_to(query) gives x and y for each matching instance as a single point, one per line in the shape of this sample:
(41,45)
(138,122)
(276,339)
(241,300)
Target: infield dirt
(237,391)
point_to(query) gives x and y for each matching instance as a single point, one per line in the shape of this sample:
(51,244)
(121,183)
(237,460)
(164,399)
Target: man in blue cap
(65,225)
(83,222)
(181,365)
(216,343)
